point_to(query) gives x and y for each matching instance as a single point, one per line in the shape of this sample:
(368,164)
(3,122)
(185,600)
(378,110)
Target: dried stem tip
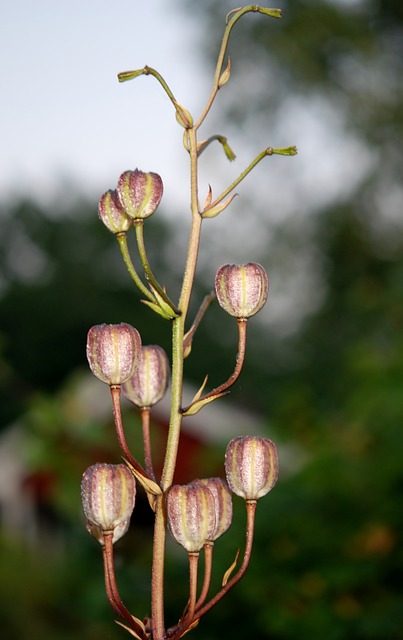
(150,381)
(242,290)
(108,493)
(191,515)
(140,193)
(113,352)
(251,466)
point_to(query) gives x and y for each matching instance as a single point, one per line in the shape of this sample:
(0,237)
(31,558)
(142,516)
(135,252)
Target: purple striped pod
(241,290)
(150,381)
(113,352)
(112,214)
(223,504)
(191,516)
(140,193)
(108,493)
(251,466)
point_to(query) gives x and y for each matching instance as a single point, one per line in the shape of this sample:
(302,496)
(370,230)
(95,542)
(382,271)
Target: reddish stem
(117,416)
(250,526)
(112,589)
(145,424)
(240,359)
(208,562)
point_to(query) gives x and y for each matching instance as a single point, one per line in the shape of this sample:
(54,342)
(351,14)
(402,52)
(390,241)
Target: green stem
(171,452)
(157,577)
(139,228)
(267,152)
(236,15)
(124,249)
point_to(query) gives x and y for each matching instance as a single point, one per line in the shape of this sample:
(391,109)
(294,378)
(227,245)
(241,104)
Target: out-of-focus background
(324,370)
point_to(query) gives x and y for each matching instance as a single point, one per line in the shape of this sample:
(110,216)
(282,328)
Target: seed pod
(191,515)
(113,352)
(112,214)
(251,466)
(223,504)
(241,290)
(150,381)
(140,193)
(108,493)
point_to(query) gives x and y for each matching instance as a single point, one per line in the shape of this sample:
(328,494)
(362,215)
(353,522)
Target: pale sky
(64,116)
(65,120)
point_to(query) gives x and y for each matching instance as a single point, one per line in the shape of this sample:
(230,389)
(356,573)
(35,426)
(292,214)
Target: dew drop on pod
(140,193)
(242,290)
(113,352)
(251,466)
(108,493)
(150,381)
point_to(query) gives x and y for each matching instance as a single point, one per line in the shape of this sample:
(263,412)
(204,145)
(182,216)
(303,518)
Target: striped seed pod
(251,466)
(108,493)
(113,352)
(150,381)
(112,214)
(242,290)
(223,504)
(140,193)
(191,515)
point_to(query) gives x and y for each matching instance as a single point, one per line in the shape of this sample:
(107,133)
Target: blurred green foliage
(328,558)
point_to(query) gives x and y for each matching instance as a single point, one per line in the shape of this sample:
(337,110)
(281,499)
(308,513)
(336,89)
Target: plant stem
(145,425)
(124,249)
(117,415)
(250,525)
(187,341)
(157,577)
(112,588)
(240,359)
(208,562)
(139,229)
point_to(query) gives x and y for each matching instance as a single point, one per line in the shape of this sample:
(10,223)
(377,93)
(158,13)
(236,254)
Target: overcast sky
(65,120)
(64,116)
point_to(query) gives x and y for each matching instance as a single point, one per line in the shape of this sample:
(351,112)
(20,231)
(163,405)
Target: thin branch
(112,588)
(188,338)
(124,249)
(240,359)
(139,228)
(145,424)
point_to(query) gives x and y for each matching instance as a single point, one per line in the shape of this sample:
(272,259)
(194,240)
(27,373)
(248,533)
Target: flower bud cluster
(136,197)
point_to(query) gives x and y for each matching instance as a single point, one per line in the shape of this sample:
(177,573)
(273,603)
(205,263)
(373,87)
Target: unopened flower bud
(113,352)
(112,214)
(150,381)
(241,289)
(108,493)
(223,504)
(191,515)
(251,466)
(139,193)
